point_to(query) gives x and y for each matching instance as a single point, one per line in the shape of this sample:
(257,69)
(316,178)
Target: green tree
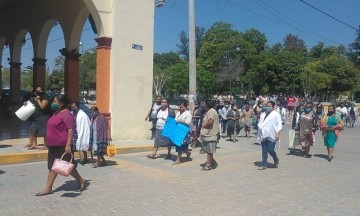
(88,70)
(5,77)
(179,80)
(256,38)
(183,47)
(313,81)
(219,40)
(293,43)
(27,80)
(342,72)
(165,60)
(55,80)
(284,74)
(160,78)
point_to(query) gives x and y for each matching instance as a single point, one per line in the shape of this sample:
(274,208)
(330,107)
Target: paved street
(135,185)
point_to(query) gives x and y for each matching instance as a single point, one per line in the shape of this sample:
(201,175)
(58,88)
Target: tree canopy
(244,62)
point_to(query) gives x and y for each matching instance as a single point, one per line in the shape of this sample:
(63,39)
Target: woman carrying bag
(331,125)
(59,136)
(183,117)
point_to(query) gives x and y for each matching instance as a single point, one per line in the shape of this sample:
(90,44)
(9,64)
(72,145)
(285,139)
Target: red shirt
(57,128)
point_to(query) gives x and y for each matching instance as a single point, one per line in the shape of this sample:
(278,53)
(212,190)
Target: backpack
(352,111)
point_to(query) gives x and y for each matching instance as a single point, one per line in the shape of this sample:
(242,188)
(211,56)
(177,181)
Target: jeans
(268,146)
(223,124)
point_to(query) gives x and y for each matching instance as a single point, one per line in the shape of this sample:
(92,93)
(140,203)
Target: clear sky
(275,18)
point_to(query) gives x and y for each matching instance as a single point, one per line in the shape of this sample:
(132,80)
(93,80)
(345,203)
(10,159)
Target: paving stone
(140,186)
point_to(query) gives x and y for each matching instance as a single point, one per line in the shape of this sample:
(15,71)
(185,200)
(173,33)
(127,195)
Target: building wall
(131,69)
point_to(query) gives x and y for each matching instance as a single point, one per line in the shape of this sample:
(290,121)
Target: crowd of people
(66,128)
(209,122)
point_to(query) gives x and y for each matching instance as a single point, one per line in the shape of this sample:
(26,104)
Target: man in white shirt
(269,132)
(343,112)
(223,119)
(281,110)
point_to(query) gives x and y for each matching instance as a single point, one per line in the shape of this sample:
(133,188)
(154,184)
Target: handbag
(63,167)
(111,150)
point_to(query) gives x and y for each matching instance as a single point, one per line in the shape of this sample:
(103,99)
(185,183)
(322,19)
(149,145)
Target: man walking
(223,113)
(209,134)
(269,132)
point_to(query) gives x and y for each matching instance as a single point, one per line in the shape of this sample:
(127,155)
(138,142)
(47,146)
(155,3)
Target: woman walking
(60,129)
(331,125)
(100,135)
(183,117)
(295,127)
(81,132)
(161,141)
(233,117)
(307,125)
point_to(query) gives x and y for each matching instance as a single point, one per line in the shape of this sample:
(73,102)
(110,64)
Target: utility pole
(192,55)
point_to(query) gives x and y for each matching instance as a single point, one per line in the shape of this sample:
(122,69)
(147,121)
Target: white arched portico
(124,52)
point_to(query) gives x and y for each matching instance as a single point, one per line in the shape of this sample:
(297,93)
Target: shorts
(209,146)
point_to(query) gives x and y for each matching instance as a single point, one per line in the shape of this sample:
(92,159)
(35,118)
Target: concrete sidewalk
(14,151)
(14,138)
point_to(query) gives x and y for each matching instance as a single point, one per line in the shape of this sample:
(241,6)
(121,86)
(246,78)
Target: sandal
(206,168)
(95,165)
(33,148)
(44,194)
(151,156)
(176,163)
(84,185)
(83,162)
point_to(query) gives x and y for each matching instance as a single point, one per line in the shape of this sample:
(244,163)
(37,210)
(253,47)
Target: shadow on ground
(295,152)
(260,164)
(324,156)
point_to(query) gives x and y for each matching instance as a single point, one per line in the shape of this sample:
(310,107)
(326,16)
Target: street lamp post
(192,55)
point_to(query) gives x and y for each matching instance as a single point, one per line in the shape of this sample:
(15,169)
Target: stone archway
(124,51)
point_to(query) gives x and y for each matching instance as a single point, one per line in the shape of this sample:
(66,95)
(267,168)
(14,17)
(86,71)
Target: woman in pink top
(59,139)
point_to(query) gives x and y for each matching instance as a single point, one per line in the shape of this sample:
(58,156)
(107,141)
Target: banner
(176,132)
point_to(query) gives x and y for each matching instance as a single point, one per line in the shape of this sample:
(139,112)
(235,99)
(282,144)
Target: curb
(27,157)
